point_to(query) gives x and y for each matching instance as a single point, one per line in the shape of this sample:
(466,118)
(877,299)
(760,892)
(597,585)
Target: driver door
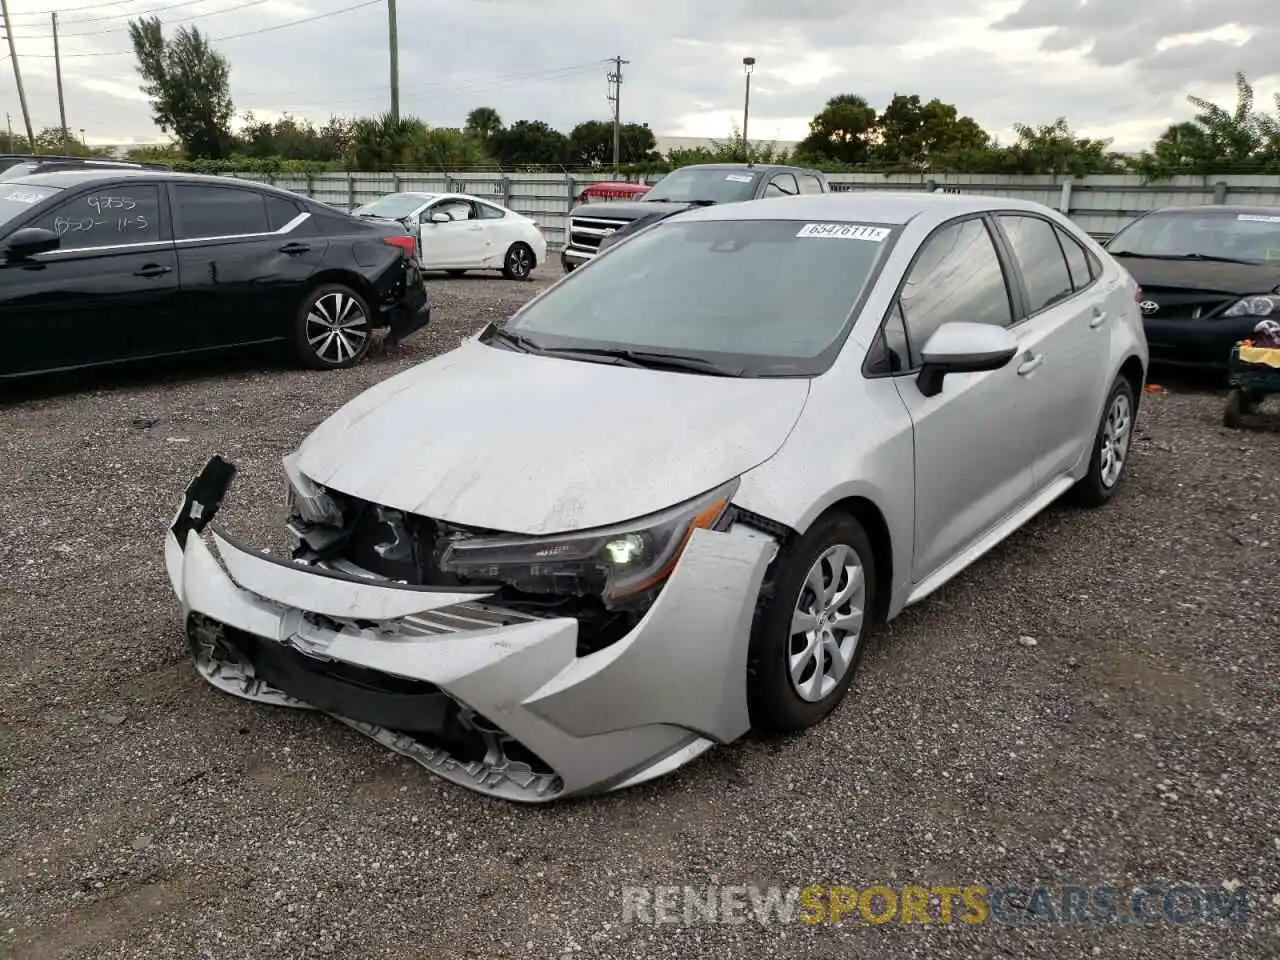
(455,243)
(974,442)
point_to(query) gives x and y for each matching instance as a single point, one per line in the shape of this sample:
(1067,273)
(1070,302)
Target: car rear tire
(333,329)
(810,632)
(518,263)
(1111,447)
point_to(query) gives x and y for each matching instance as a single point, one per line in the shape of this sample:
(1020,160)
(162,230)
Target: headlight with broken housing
(307,500)
(620,563)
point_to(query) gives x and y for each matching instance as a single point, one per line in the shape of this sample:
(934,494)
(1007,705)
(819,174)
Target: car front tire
(333,329)
(1111,446)
(810,632)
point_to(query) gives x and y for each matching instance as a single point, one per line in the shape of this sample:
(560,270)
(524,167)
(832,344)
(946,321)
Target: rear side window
(1077,260)
(490,213)
(1040,260)
(280,211)
(201,212)
(809,183)
(116,215)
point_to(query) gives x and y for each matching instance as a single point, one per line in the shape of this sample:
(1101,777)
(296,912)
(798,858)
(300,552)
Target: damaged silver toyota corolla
(664,502)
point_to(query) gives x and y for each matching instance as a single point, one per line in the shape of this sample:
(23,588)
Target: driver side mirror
(440,217)
(958,347)
(29,241)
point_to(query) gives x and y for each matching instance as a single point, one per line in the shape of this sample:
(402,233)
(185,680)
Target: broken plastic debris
(1154,388)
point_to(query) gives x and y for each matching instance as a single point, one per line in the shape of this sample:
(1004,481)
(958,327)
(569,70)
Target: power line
(233,36)
(464,84)
(62,34)
(109,16)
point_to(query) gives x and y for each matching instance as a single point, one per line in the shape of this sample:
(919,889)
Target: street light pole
(748,64)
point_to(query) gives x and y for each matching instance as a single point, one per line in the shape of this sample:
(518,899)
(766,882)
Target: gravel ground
(145,815)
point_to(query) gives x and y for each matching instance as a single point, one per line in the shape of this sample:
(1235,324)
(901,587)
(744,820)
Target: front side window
(394,206)
(115,215)
(1040,260)
(783,185)
(956,277)
(17,199)
(705,185)
(725,290)
(890,353)
(204,212)
(1250,237)
(455,209)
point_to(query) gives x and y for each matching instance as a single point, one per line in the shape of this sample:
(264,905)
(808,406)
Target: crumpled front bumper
(417,668)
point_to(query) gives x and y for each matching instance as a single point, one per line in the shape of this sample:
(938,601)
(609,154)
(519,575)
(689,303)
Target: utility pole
(394,41)
(17,78)
(615,97)
(748,65)
(57,69)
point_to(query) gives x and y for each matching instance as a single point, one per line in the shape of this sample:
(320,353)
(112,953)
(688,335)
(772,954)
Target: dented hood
(487,437)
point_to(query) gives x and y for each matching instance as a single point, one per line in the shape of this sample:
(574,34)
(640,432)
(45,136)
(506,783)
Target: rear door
(1067,333)
(104,295)
(245,257)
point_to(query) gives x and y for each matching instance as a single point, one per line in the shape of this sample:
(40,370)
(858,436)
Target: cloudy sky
(1114,68)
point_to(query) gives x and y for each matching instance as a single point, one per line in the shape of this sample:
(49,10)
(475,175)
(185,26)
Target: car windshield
(17,198)
(708,185)
(1215,234)
(393,206)
(763,297)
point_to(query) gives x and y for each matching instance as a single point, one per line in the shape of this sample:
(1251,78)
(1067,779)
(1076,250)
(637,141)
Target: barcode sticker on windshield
(844,231)
(1257,218)
(738,178)
(24,196)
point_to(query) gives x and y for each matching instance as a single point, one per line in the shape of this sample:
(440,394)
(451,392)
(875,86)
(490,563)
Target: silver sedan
(666,501)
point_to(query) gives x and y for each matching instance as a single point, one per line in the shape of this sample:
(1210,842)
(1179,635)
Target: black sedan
(1208,274)
(108,266)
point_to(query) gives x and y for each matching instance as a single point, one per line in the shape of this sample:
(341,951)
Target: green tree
(925,135)
(189,86)
(530,143)
(1055,149)
(483,123)
(384,142)
(591,143)
(1237,135)
(292,139)
(842,132)
(64,142)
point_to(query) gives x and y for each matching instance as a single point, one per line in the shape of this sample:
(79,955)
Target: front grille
(1185,304)
(585,233)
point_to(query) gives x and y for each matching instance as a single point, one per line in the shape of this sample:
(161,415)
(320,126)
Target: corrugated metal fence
(1101,205)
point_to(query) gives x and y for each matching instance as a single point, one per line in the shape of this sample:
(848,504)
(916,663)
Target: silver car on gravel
(666,501)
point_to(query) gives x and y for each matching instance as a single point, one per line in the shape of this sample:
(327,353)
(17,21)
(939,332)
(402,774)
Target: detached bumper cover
(490,699)
(413,312)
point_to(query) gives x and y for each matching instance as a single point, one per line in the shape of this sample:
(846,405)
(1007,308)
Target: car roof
(70,179)
(1220,208)
(871,206)
(765,167)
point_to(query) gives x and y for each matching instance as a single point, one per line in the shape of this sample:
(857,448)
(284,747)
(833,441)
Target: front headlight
(308,500)
(1260,306)
(616,563)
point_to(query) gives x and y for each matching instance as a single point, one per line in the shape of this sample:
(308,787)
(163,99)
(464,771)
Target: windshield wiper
(1181,256)
(649,359)
(515,341)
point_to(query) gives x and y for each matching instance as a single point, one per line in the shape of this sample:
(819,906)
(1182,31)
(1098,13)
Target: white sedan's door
(1067,322)
(455,244)
(973,441)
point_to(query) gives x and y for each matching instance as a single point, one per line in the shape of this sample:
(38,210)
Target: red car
(613,191)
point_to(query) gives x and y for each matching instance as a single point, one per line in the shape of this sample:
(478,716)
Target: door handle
(1031,365)
(1099,318)
(152,270)
(292,248)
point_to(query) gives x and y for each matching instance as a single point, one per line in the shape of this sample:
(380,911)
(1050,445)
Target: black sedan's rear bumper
(413,312)
(1203,344)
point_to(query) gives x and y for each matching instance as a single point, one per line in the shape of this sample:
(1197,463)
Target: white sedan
(458,232)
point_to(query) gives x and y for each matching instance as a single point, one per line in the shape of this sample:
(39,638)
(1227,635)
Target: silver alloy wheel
(337,327)
(827,623)
(1115,440)
(519,261)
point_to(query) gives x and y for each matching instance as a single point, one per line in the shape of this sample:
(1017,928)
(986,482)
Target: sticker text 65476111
(844,231)
(1258,218)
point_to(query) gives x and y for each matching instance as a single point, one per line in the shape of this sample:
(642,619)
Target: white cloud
(1113,68)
